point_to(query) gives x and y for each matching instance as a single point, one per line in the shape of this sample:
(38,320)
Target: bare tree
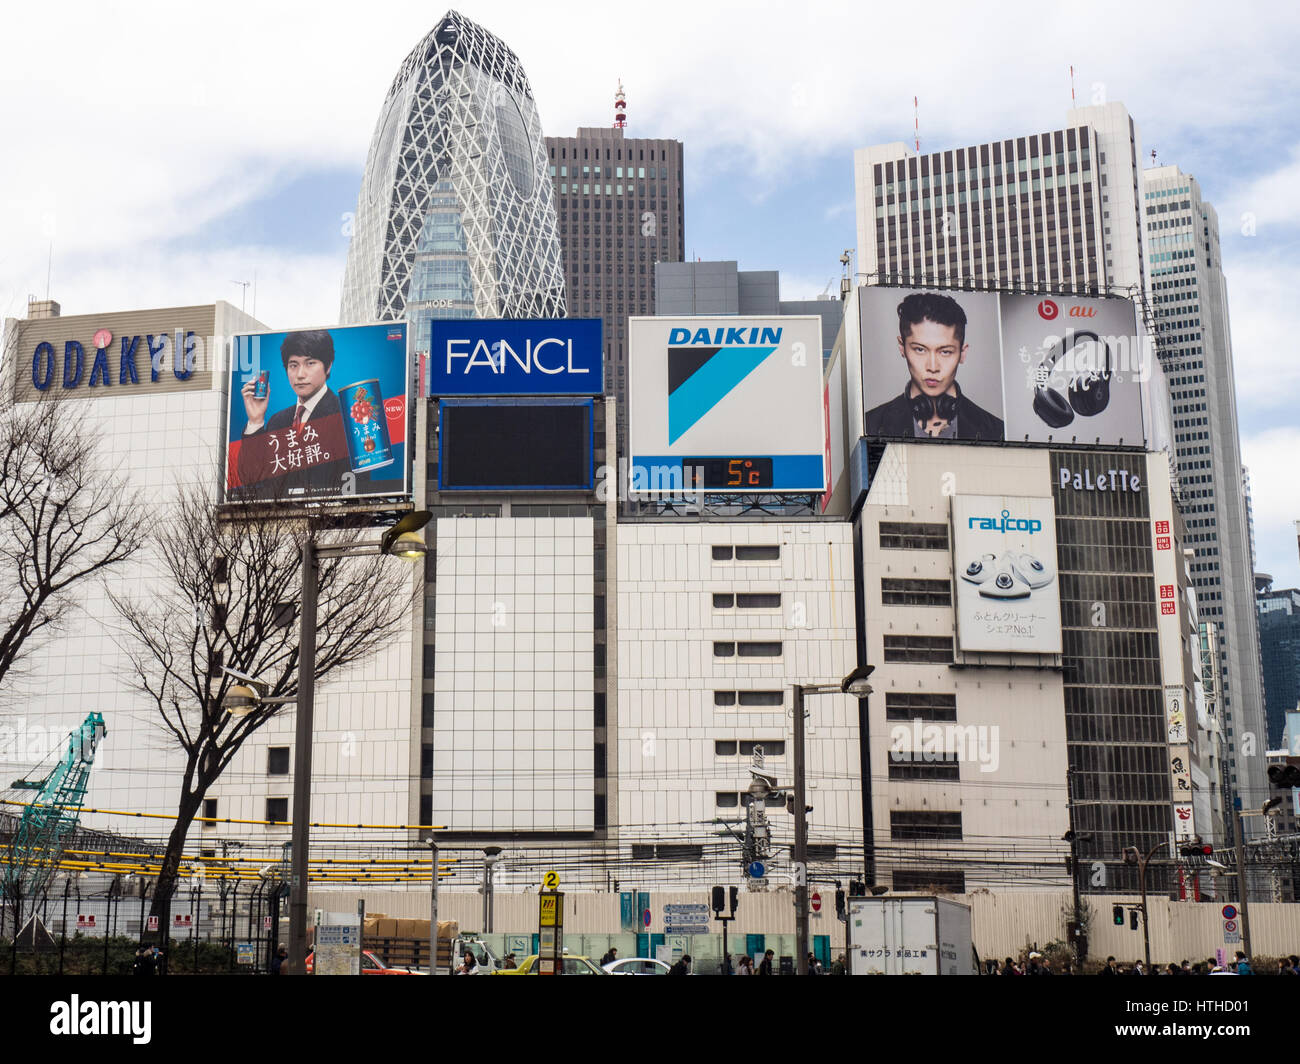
(229,595)
(64,517)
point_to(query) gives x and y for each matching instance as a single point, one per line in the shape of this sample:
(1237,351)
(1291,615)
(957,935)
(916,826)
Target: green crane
(51,817)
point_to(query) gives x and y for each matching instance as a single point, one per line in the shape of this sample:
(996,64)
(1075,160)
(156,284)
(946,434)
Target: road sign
(244,953)
(153,923)
(756,870)
(691,909)
(645,918)
(182,920)
(549,910)
(686,929)
(1229,912)
(816,901)
(1229,926)
(85,921)
(551,881)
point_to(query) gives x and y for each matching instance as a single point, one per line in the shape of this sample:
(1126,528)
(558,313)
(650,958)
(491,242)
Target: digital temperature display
(725,473)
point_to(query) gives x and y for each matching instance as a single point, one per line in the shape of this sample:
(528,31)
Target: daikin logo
(1006,523)
(727,335)
(706,366)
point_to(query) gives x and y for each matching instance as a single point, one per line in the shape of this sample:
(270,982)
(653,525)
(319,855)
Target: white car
(636,966)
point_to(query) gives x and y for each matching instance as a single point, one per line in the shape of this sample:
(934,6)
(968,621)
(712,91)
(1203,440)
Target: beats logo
(1047,309)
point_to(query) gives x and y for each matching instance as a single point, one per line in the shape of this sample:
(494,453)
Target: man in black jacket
(302,448)
(932,341)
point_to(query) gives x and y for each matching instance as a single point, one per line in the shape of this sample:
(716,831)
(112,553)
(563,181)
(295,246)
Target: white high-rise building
(1190,301)
(1054,210)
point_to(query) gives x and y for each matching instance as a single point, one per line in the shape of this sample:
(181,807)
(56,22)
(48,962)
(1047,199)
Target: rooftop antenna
(243,291)
(1072,83)
(620,106)
(49,265)
(1153,157)
(916,122)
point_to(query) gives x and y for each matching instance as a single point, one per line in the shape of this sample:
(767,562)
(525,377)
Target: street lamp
(491,854)
(399,540)
(855,684)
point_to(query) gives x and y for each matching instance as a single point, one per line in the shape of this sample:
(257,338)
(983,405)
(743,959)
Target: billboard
(516,445)
(1004,566)
(561,356)
(318,415)
(985,367)
(727,405)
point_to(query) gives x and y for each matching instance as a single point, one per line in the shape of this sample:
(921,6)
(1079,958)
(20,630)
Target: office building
(1279,644)
(621,210)
(455,218)
(722,288)
(1057,211)
(1189,300)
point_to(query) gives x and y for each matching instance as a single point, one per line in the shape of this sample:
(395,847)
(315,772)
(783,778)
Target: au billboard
(985,367)
(318,414)
(728,405)
(498,356)
(1004,565)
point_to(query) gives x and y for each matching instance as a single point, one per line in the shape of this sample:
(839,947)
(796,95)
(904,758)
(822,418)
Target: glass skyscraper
(456,215)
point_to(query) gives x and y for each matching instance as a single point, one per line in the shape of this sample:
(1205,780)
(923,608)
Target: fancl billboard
(728,405)
(498,356)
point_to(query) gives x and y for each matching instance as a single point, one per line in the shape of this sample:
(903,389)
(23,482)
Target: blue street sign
(756,870)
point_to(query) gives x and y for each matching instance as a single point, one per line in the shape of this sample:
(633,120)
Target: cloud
(1261,295)
(1267,199)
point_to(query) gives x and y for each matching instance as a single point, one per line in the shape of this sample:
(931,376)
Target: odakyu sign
(126,362)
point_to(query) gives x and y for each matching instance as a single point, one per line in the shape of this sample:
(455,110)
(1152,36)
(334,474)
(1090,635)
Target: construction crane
(51,818)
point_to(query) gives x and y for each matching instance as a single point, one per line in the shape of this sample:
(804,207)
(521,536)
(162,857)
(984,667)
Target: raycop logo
(1006,523)
(77,1017)
(1047,310)
(1103,480)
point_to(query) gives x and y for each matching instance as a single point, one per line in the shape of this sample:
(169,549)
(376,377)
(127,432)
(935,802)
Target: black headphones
(1087,393)
(924,407)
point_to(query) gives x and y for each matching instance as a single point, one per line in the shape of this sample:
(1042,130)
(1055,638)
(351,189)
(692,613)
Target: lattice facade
(456,215)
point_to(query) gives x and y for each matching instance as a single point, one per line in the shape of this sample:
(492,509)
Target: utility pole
(800,856)
(303,736)
(433,904)
(1243,887)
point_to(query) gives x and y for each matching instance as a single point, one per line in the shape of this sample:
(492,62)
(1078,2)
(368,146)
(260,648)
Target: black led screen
(519,446)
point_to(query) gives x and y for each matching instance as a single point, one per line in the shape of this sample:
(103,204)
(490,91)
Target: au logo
(701,377)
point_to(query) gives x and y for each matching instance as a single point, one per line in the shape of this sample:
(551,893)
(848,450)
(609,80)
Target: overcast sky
(169,150)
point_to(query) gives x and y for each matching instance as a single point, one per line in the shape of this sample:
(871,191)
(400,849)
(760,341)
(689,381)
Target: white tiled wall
(513,712)
(668,774)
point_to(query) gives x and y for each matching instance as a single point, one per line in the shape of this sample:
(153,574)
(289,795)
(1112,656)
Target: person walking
(682,967)
(277,962)
(611,955)
(766,967)
(745,966)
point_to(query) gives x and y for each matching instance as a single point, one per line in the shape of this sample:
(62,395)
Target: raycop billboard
(981,367)
(726,405)
(1004,565)
(318,415)
(562,356)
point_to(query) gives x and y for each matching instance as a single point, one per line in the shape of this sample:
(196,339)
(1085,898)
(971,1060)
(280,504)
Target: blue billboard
(513,356)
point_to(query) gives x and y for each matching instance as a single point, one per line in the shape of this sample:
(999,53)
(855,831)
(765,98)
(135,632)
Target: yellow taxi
(569,965)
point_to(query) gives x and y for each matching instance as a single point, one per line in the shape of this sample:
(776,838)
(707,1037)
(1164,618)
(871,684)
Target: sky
(157,155)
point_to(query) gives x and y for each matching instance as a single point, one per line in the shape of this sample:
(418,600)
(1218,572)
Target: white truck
(909,936)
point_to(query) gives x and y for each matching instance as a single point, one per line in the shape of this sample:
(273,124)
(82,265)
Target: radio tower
(620,105)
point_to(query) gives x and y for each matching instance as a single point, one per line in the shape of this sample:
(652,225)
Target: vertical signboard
(1004,563)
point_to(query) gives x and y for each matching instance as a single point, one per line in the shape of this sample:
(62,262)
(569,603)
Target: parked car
(371,964)
(637,966)
(569,966)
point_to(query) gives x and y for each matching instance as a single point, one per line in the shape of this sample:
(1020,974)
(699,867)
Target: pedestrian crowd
(1036,964)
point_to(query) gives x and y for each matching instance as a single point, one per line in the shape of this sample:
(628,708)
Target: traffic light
(1196,848)
(1133,920)
(1117,915)
(1287,775)
(789,805)
(735,899)
(857,888)
(719,899)
(839,902)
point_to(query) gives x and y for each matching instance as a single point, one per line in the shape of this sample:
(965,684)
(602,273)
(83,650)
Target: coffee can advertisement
(367,427)
(318,415)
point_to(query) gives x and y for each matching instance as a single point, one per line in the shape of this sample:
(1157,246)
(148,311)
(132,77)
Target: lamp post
(491,854)
(433,904)
(400,540)
(855,683)
(1132,855)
